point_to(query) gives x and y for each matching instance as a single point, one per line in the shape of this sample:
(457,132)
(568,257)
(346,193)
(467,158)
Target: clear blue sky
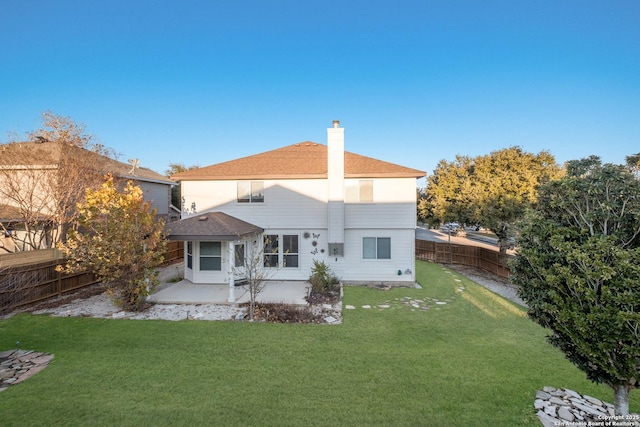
(412,82)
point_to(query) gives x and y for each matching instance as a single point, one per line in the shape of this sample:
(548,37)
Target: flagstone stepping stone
(349,307)
(19,365)
(384,306)
(366,306)
(440,302)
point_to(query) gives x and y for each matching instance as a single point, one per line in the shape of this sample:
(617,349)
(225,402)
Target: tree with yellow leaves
(118,237)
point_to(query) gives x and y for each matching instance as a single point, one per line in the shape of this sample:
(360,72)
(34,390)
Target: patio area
(172,290)
(185,292)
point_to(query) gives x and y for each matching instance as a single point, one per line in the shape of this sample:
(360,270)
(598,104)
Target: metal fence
(22,285)
(473,256)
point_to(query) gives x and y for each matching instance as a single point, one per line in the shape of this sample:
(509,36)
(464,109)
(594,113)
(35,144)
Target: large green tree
(494,190)
(578,268)
(119,238)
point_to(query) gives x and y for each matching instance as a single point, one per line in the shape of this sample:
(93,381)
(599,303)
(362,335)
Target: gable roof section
(210,226)
(297,161)
(47,155)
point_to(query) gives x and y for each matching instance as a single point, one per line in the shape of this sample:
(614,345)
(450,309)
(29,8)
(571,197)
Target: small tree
(322,279)
(119,238)
(258,269)
(578,265)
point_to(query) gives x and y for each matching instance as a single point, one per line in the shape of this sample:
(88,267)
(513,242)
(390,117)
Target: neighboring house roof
(9,213)
(47,155)
(210,226)
(302,160)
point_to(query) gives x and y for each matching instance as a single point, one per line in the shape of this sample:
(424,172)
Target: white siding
(301,206)
(356,269)
(288,204)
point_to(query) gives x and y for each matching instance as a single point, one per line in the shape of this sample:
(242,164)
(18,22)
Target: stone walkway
(19,365)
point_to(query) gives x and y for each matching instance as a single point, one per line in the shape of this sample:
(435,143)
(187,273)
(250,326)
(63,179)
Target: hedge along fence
(25,284)
(473,256)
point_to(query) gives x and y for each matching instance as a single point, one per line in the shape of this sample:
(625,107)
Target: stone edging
(563,408)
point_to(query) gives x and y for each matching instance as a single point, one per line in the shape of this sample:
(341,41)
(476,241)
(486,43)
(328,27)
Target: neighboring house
(300,203)
(31,180)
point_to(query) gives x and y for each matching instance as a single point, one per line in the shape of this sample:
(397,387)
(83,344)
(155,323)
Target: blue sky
(412,82)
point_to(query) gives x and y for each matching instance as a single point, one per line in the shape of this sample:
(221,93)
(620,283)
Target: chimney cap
(336,123)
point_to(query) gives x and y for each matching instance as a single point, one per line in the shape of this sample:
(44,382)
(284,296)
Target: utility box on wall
(336,249)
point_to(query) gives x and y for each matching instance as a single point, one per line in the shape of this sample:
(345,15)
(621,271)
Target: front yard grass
(474,361)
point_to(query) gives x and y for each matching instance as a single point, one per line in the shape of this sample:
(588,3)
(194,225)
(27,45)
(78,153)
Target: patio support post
(232,263)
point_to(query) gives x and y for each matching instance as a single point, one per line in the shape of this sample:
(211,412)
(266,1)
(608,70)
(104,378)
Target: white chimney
(335,174)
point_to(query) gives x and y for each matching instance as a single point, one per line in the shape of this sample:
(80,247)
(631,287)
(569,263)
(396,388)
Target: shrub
(322,279)
(284,313)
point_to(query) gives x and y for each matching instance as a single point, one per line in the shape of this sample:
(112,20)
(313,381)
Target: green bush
(322,279)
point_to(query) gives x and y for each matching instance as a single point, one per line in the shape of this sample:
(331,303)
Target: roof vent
(203,218)
(336,123)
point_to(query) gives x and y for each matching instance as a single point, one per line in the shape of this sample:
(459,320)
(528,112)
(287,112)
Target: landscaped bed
(456,355)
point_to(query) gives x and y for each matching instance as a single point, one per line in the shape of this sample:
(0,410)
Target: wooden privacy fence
(25,284)
(473,256)
(31,283)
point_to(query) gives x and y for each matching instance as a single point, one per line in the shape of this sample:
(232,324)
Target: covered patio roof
(210,226)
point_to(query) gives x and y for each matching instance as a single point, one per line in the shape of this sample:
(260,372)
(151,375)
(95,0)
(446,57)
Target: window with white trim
(190,255)
(210,256)
(359,191)
(250,191)
(366,191)
(281,250)
(290,250)
(239,255)
(271,250)
(376,248)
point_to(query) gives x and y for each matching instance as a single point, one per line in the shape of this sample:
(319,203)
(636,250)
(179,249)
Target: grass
(475,361)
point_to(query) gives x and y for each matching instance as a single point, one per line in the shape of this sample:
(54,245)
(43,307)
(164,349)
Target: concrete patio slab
(185,292)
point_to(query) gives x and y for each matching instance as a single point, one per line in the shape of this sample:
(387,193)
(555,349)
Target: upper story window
(250,191)
(366,191)
(359,191)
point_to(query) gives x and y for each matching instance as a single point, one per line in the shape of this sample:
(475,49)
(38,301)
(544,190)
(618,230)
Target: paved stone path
(19,365)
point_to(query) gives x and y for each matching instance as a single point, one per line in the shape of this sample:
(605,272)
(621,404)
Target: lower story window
(239,255)
(290,250)
(190,255)
(271,250)
(376,248)
(281,250)
(210,256)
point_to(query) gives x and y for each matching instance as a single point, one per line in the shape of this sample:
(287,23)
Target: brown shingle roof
(48,154)
(302,160)
(210,226)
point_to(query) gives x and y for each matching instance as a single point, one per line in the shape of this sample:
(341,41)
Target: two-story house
(300,203)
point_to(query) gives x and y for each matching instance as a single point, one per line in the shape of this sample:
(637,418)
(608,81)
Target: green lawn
(475,361)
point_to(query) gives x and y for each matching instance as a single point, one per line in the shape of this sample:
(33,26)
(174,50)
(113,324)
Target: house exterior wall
(158,194)
(300,207)
(297,203)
